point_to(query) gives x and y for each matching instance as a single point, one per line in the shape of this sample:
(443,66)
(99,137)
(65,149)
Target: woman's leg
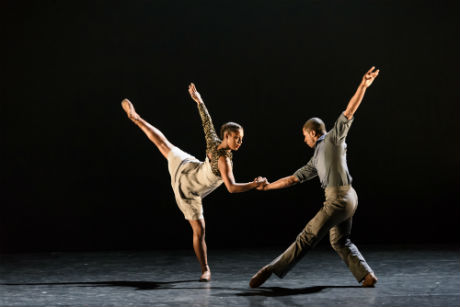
(155,135)
(199,245)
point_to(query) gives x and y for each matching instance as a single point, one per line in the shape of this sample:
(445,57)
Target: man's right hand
(369,77)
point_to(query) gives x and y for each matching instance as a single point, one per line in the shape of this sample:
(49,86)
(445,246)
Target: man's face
(310,137)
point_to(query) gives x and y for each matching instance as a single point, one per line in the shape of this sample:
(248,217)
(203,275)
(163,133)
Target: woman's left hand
(194,93)
(261,182)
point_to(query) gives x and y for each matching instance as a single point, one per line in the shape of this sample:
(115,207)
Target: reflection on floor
(408,276)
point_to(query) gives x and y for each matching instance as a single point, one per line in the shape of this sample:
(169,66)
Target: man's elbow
(348,114)
(293,180)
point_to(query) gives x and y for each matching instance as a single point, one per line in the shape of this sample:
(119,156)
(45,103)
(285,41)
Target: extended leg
(199,245)
(310,236)
(315,230)
(155,135)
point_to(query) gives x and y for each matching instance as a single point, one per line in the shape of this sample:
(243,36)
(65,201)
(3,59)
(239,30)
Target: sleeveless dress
(192,179)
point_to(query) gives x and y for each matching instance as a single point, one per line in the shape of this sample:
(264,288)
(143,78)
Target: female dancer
(192,179)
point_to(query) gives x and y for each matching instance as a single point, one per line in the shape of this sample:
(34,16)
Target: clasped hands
(261,183)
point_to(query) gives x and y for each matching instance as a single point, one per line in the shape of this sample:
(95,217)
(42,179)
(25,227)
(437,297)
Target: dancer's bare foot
(205,274)
(129,109)
(370,280)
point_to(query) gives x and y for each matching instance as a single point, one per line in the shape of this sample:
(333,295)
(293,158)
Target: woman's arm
(208,127)
(226,172)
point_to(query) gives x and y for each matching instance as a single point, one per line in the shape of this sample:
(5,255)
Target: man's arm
(306,172)
(281,183)
(355,101)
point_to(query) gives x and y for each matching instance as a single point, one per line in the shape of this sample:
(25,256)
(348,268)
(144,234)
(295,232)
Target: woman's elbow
(231,188)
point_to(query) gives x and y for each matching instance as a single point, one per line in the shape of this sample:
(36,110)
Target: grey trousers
(334,217)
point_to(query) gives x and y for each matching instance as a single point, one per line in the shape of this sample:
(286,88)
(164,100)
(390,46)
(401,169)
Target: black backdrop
(76,174)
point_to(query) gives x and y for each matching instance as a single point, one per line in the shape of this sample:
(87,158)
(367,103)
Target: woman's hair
(315,124)
(230,126)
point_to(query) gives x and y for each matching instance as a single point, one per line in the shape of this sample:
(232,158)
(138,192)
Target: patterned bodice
(212,140)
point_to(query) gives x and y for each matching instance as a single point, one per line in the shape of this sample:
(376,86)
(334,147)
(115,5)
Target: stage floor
(408,276)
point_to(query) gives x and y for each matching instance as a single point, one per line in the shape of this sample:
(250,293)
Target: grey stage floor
(408,276)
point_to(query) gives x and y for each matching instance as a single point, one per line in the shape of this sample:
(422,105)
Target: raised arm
(226,171)
(355,101)
(208,127)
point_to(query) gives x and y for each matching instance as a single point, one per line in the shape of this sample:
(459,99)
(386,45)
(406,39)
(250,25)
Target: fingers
(371,74)
(261,180)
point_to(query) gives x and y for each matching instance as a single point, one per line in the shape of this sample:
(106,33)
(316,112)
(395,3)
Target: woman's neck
(223,145)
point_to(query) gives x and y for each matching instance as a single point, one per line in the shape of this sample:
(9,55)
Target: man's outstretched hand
(369,77)
(194,93)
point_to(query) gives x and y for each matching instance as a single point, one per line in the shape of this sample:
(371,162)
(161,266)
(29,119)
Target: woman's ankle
(205,268)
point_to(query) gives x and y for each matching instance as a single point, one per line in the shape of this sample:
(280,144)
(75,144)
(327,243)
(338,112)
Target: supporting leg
(154,135)
(339,237)
(199,245)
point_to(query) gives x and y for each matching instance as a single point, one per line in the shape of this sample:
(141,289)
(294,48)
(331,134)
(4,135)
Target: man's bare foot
(129,109)
(205,276)
(370,280)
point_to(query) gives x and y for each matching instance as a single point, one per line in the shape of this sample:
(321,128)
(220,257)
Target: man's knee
(306,237)
(341,243)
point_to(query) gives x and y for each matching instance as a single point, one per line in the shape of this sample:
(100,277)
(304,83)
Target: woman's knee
(198,228)
(199,234)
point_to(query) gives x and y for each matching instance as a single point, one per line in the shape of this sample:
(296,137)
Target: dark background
(76,174)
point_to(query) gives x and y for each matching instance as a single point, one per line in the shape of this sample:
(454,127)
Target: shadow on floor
(153,285)
(139,285)
(279,291)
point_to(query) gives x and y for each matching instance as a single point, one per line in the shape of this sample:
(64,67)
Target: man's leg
(339,236)
(315,230)
(310,236)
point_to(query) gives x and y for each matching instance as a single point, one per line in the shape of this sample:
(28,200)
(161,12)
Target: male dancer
(329,163)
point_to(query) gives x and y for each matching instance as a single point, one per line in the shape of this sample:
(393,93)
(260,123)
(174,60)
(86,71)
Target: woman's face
(234,139)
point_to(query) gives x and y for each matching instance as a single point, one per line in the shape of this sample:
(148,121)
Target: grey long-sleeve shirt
(329,160)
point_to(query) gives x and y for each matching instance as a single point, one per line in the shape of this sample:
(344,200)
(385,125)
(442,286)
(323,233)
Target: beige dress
(192,179)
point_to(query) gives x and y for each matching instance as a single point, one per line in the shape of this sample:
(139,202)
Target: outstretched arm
(226,172)
(306,172)
(208,127)
(280,183)
(355,101)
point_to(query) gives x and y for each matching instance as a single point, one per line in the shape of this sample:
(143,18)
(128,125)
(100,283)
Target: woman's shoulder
(224,153)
